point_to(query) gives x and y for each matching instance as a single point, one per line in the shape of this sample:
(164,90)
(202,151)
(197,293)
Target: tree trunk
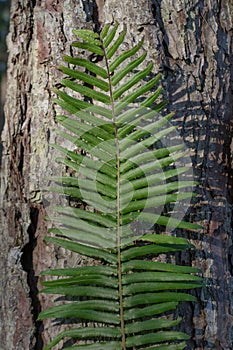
(190,42)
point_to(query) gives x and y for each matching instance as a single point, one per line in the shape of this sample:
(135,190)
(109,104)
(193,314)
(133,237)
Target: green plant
(122,172)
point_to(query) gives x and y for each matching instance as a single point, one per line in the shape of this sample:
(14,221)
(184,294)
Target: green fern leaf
(123,175)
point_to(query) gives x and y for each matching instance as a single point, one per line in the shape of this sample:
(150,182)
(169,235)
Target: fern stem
(118,217)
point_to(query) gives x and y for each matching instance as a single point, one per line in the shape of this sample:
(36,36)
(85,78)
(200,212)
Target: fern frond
(122,175)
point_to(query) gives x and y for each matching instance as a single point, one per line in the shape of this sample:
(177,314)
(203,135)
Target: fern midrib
(118,218)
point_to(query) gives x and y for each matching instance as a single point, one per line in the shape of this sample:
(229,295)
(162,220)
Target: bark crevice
(32,280)
(156,12)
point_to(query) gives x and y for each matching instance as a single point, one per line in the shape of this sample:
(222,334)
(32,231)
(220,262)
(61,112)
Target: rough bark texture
(190,42)
(40,34)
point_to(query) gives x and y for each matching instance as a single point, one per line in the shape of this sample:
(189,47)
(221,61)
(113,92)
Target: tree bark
(40,34)
(190,42)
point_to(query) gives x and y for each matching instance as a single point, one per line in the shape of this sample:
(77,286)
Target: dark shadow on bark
(32,279)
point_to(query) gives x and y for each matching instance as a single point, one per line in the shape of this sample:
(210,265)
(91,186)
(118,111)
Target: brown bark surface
(190,42)
(40,34)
